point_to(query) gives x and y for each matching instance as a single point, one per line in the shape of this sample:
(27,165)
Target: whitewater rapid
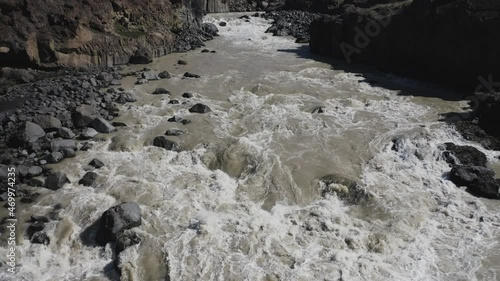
(243,200)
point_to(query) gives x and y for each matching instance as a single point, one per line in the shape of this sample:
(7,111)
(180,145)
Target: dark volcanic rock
(88,179)
(191,75)
(117,219)
(187,95)
(173,102)
(178,119)
(210,28)
(47,122)
(40,237)
(174,132)
(88,133)
(65,133)
(417,38)
(222,23)
(182,62)
(96,163)
(34,228)
(163,142)
(142,56)
(102,126)
(478,180)
(164,75)
(84,115)
(29,133)
(56,180)
(200,108)
(127,239)
(161,91)
(466,155)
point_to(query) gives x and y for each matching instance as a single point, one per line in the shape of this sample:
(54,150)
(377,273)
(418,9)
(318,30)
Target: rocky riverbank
(56,34)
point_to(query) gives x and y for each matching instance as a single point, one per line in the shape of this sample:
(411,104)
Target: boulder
(164,75)
(161,91)
(178,119)
(182,62)
(40,237)
(141,81)
(47,122)
(84,115)
(96,163)
(56,180)
(126,239)
(464,155)
(68,152)
(163,142)
(31,132)
(200,108)
(88,179)
(210,28)
(222,23)
(174,132)
(34,228)
(149,75)
(127,96)
(34,171)
(187,95)
(103,76)
(102,126)
(88,133)
(173,102)
(58,144)
(191,75)
(142,56)
(65,133)
(55,157)
(479,181)
(116,220)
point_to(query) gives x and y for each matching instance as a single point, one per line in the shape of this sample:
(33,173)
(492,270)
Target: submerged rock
(200,108)
(96,163)
(88,179)
(116,220)
(191,75)
(347,190)
(161,91)
(163,142)
(174,132)
(164,75)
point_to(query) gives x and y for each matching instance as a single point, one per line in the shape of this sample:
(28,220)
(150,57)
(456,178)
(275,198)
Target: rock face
(452,42)
(117,219)
(55,33)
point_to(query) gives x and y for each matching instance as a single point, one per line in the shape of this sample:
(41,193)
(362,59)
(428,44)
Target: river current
(267,188)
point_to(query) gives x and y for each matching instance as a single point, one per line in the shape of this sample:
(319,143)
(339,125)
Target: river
(265,189)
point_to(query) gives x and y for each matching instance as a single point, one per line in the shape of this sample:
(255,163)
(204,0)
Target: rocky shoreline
(49,116)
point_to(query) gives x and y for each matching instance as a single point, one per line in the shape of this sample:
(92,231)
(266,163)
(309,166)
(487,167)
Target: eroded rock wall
(57,33)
